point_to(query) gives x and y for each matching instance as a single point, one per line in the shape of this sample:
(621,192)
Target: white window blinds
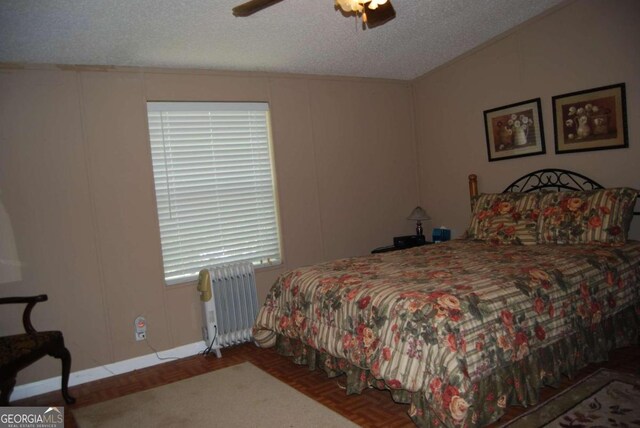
(214,185)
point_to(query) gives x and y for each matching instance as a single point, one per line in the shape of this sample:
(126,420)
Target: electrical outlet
(140,325)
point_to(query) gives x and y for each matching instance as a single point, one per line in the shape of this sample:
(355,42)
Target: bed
(544,282)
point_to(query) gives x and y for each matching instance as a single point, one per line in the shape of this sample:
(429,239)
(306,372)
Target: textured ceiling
(294,36)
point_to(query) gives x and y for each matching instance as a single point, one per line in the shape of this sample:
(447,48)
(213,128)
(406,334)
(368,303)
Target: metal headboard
(556,179)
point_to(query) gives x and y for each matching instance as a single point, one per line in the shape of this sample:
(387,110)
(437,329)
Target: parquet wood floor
(373,408)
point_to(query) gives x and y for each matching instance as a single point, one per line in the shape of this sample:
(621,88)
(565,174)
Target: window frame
(176,106)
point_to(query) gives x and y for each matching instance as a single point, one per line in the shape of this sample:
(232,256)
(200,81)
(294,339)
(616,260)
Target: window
(212,169)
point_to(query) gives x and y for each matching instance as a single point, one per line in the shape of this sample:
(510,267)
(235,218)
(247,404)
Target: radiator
(229,303)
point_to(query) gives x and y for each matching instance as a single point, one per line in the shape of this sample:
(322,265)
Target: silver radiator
(231,307)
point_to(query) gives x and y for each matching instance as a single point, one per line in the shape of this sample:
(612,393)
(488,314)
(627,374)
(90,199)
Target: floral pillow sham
(505,218)
(602,215)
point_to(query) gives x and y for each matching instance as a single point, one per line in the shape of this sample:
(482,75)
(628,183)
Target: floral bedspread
(442,321)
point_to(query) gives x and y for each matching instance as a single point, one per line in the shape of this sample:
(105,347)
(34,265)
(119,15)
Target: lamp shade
(9,264)
(418,214)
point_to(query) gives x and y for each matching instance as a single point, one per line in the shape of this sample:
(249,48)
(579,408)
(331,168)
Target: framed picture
(594,119)
(514,131)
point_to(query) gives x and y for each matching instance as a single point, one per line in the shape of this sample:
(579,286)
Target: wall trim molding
(107,370)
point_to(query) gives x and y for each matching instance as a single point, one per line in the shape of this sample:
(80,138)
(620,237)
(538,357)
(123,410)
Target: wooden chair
(21,350)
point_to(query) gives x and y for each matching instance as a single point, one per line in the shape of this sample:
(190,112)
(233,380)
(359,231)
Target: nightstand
(389,248)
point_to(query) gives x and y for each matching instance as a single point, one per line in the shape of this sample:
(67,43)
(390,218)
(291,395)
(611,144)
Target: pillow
(505,218)
(602,215)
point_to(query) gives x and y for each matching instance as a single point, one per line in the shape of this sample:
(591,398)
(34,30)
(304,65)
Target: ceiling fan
(373,12)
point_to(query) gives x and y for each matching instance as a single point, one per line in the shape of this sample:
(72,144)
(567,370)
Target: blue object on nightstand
(441,234)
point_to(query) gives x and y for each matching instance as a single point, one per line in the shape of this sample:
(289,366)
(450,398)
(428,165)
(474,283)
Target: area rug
(237,396)
(604,399)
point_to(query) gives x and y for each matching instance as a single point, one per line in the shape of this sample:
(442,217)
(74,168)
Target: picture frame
(592,119)
(514,130)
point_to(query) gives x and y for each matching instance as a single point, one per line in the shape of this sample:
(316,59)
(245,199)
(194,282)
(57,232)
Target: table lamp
(419,215)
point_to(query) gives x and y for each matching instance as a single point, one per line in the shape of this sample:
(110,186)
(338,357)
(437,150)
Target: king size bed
(543,283)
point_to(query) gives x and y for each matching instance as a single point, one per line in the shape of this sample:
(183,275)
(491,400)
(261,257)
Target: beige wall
(76,179)
(586,44)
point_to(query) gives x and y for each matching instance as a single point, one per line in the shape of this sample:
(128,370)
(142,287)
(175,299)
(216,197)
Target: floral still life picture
(514,130)
(594,119)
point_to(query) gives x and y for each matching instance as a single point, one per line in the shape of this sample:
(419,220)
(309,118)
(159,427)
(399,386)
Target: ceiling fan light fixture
(372,12)
(358,6)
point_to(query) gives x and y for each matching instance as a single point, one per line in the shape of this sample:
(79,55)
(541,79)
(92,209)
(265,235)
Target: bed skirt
(515,384)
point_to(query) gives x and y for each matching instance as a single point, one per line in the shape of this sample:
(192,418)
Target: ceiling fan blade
(251,7)
(383,13)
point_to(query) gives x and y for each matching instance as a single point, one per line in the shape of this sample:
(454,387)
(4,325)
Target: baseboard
(88,375)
